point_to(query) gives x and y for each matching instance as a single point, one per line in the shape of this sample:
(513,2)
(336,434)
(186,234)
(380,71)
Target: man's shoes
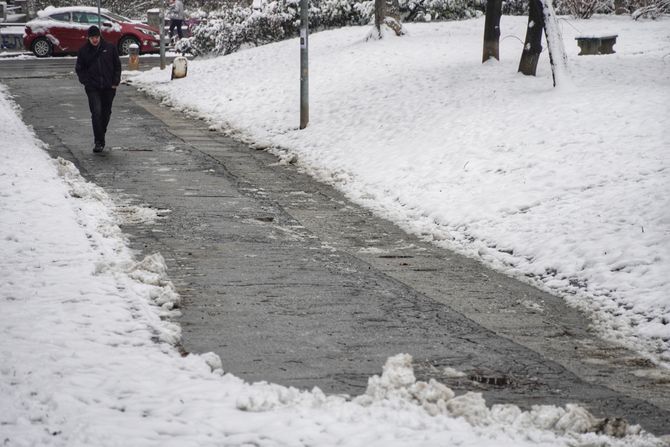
(98,148)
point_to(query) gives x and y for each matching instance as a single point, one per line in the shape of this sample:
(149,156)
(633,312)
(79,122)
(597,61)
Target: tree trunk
(380,14)
(533,45)
(557,56)
(492,30)
(386,14)
(541,16)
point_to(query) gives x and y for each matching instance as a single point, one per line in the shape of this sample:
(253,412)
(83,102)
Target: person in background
(176,14)
(99,70)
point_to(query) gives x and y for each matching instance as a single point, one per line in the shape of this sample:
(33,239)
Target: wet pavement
(289,282)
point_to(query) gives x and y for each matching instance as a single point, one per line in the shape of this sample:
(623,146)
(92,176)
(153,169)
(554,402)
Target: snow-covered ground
(86,359)
(566,188)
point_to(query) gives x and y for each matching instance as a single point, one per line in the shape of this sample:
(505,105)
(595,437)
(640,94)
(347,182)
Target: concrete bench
(596,44)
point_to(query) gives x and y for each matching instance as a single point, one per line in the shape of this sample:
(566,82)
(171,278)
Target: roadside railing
(11,36)
(16,12)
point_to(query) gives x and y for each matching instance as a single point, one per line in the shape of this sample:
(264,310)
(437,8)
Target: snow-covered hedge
(652,9)
(228,29)
(428,10)
(584,9)
(576,8)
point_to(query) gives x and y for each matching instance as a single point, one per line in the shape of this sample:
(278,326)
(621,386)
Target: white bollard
(179,67)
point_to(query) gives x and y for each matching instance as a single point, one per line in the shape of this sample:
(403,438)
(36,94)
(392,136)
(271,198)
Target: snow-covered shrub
(220,34)
(577,8)
(228,29)
(429,10)
(366,9)
(515,7)
(276,22)
(653,9)
(339,13)
(583,9)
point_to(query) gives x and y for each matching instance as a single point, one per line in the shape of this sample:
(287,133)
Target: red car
(63,31)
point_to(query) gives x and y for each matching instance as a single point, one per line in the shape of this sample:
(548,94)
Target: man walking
(176,14)
(99,69)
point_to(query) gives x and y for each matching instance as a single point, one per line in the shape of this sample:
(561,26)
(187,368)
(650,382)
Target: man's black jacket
(98,67)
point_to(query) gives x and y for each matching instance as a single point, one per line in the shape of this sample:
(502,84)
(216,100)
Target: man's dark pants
(175,23)
(100,102)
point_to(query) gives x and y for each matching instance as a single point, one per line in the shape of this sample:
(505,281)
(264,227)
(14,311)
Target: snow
(87,354)
(44,25)
(565,188)
(9,30)
(50,10)
(44,22)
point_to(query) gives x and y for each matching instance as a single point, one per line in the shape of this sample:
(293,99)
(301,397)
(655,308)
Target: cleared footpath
(291,283)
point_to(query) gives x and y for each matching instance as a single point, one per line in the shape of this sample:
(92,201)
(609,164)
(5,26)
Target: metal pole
(161,28)
(304,66)
(99,20)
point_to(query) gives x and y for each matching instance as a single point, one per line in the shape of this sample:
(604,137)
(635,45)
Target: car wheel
(125,43)
(42,47)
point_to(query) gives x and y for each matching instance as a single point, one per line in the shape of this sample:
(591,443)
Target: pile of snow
(565,188)
(87,353)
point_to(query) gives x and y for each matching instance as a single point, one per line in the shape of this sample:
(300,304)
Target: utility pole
(304,65)
(161,29)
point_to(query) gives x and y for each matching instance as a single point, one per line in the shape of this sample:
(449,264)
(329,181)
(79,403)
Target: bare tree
(541,16)
(492,30)
(532,47)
